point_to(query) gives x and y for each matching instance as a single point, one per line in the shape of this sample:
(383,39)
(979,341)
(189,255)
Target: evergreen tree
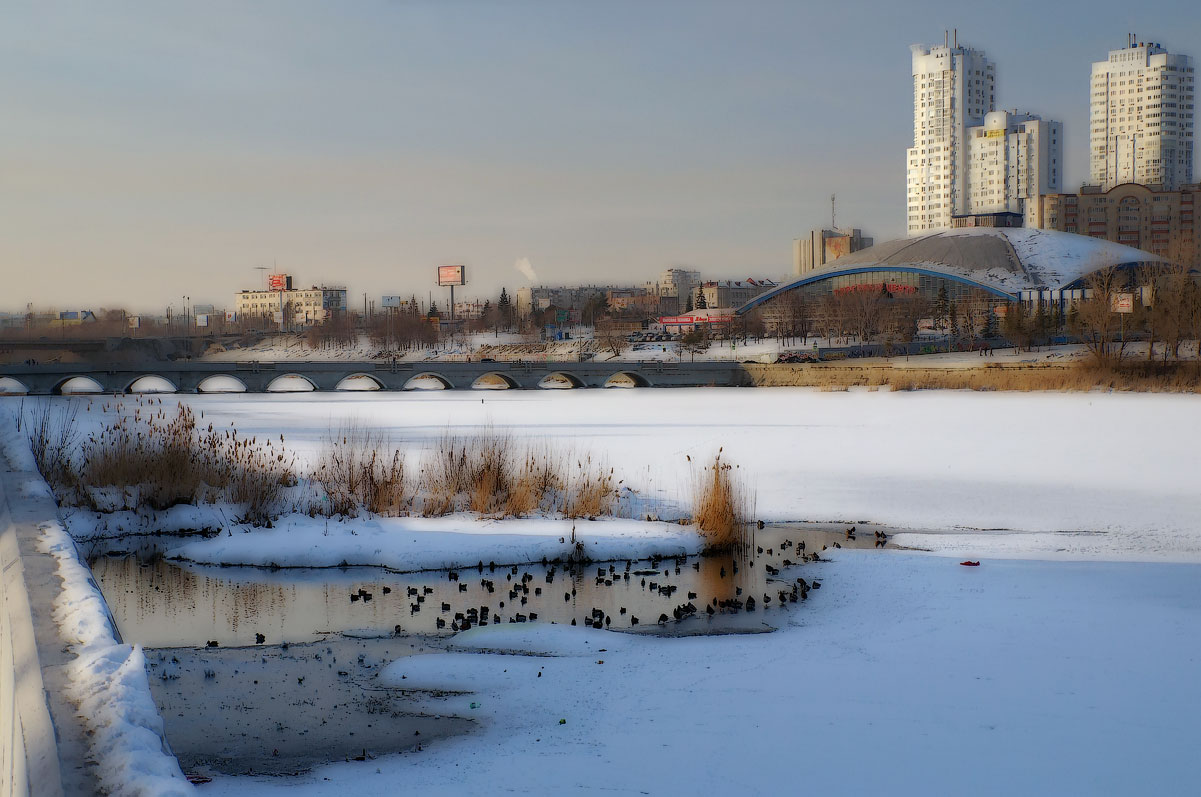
(433,313)
(503,303)
(942,308)
(701,304)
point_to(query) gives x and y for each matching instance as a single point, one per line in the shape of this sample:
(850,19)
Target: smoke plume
(527,270)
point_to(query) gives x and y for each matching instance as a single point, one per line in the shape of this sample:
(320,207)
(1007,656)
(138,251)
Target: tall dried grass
(722,506)
(590,492)
(160,462)
(359,468)
(1126,375)
(53,436)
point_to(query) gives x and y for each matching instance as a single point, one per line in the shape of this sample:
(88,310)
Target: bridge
(196,376)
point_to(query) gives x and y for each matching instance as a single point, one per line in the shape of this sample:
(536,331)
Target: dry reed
(161,462)
(722,506)
(360,468)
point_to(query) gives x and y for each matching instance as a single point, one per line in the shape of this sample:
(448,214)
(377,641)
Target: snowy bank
(412,543)
(108,681)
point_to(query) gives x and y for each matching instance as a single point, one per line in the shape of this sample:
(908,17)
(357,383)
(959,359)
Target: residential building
(1141,121)
(968,158)
(1146,217)
(822,246)
(953,88)
(290,307)
(1013,158)
(673,288)
(566,297)
(727,294)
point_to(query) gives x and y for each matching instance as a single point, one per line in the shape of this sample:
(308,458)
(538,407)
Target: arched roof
(1001,260)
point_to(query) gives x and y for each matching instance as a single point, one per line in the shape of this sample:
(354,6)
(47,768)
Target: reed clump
(361,469)
(722,505)
(159,461)
(53,436)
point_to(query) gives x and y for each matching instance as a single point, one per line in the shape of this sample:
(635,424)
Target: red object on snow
(970,564)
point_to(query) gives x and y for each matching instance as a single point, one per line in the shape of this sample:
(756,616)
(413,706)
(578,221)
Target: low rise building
(731,293)
(289,307)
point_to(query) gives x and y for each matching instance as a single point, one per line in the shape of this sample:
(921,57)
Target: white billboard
(389,301)
(452,275)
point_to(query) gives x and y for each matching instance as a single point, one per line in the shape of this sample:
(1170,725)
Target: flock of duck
(514,599)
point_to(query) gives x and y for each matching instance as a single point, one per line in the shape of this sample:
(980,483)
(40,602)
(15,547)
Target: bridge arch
(74,384)
(359,382)
(291,383)
(12,387)
(428,380)
(627,379)
(494,380)
(221,383)
(560,380)
(151,383)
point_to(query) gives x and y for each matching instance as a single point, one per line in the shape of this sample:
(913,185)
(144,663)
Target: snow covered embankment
(106,680)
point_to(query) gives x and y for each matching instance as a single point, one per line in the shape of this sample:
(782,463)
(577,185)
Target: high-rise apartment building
(968,159)
(953,88)
(1141,125)
(1012,159)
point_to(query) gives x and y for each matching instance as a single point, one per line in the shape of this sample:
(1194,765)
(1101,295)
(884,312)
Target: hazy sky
(154,150)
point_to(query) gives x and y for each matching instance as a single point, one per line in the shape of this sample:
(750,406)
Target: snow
(1063,664)
(412,543)
(1096,475)
(108,681)
(904,674)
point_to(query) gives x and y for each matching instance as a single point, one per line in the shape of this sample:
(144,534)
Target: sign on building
(452,275)
(277,282)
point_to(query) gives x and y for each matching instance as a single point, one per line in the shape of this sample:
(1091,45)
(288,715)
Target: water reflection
(159,603)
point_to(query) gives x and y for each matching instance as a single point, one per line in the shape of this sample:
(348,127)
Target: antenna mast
(833,226)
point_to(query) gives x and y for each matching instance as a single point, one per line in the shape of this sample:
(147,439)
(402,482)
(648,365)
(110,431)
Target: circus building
(979,267)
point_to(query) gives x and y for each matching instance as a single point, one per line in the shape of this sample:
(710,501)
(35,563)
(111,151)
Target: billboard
(135,322)
(202,319)
(277,282)
(1122,303)
(389,301)
(452,275)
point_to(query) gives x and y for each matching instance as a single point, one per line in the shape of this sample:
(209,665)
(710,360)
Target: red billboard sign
(452,275)
(277,282)
(696,319)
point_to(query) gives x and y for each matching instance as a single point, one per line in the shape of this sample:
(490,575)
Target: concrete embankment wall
(43,752)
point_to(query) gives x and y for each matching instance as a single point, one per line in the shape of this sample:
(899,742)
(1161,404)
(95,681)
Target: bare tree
(1096,321)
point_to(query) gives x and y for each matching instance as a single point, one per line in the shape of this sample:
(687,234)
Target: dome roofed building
(983,265)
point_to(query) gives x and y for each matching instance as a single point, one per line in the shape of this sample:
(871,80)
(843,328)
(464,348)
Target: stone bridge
(193,376)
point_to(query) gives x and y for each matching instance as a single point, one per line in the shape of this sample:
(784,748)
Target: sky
(155,150)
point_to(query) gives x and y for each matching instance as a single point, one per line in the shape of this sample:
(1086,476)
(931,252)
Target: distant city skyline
(152,152)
